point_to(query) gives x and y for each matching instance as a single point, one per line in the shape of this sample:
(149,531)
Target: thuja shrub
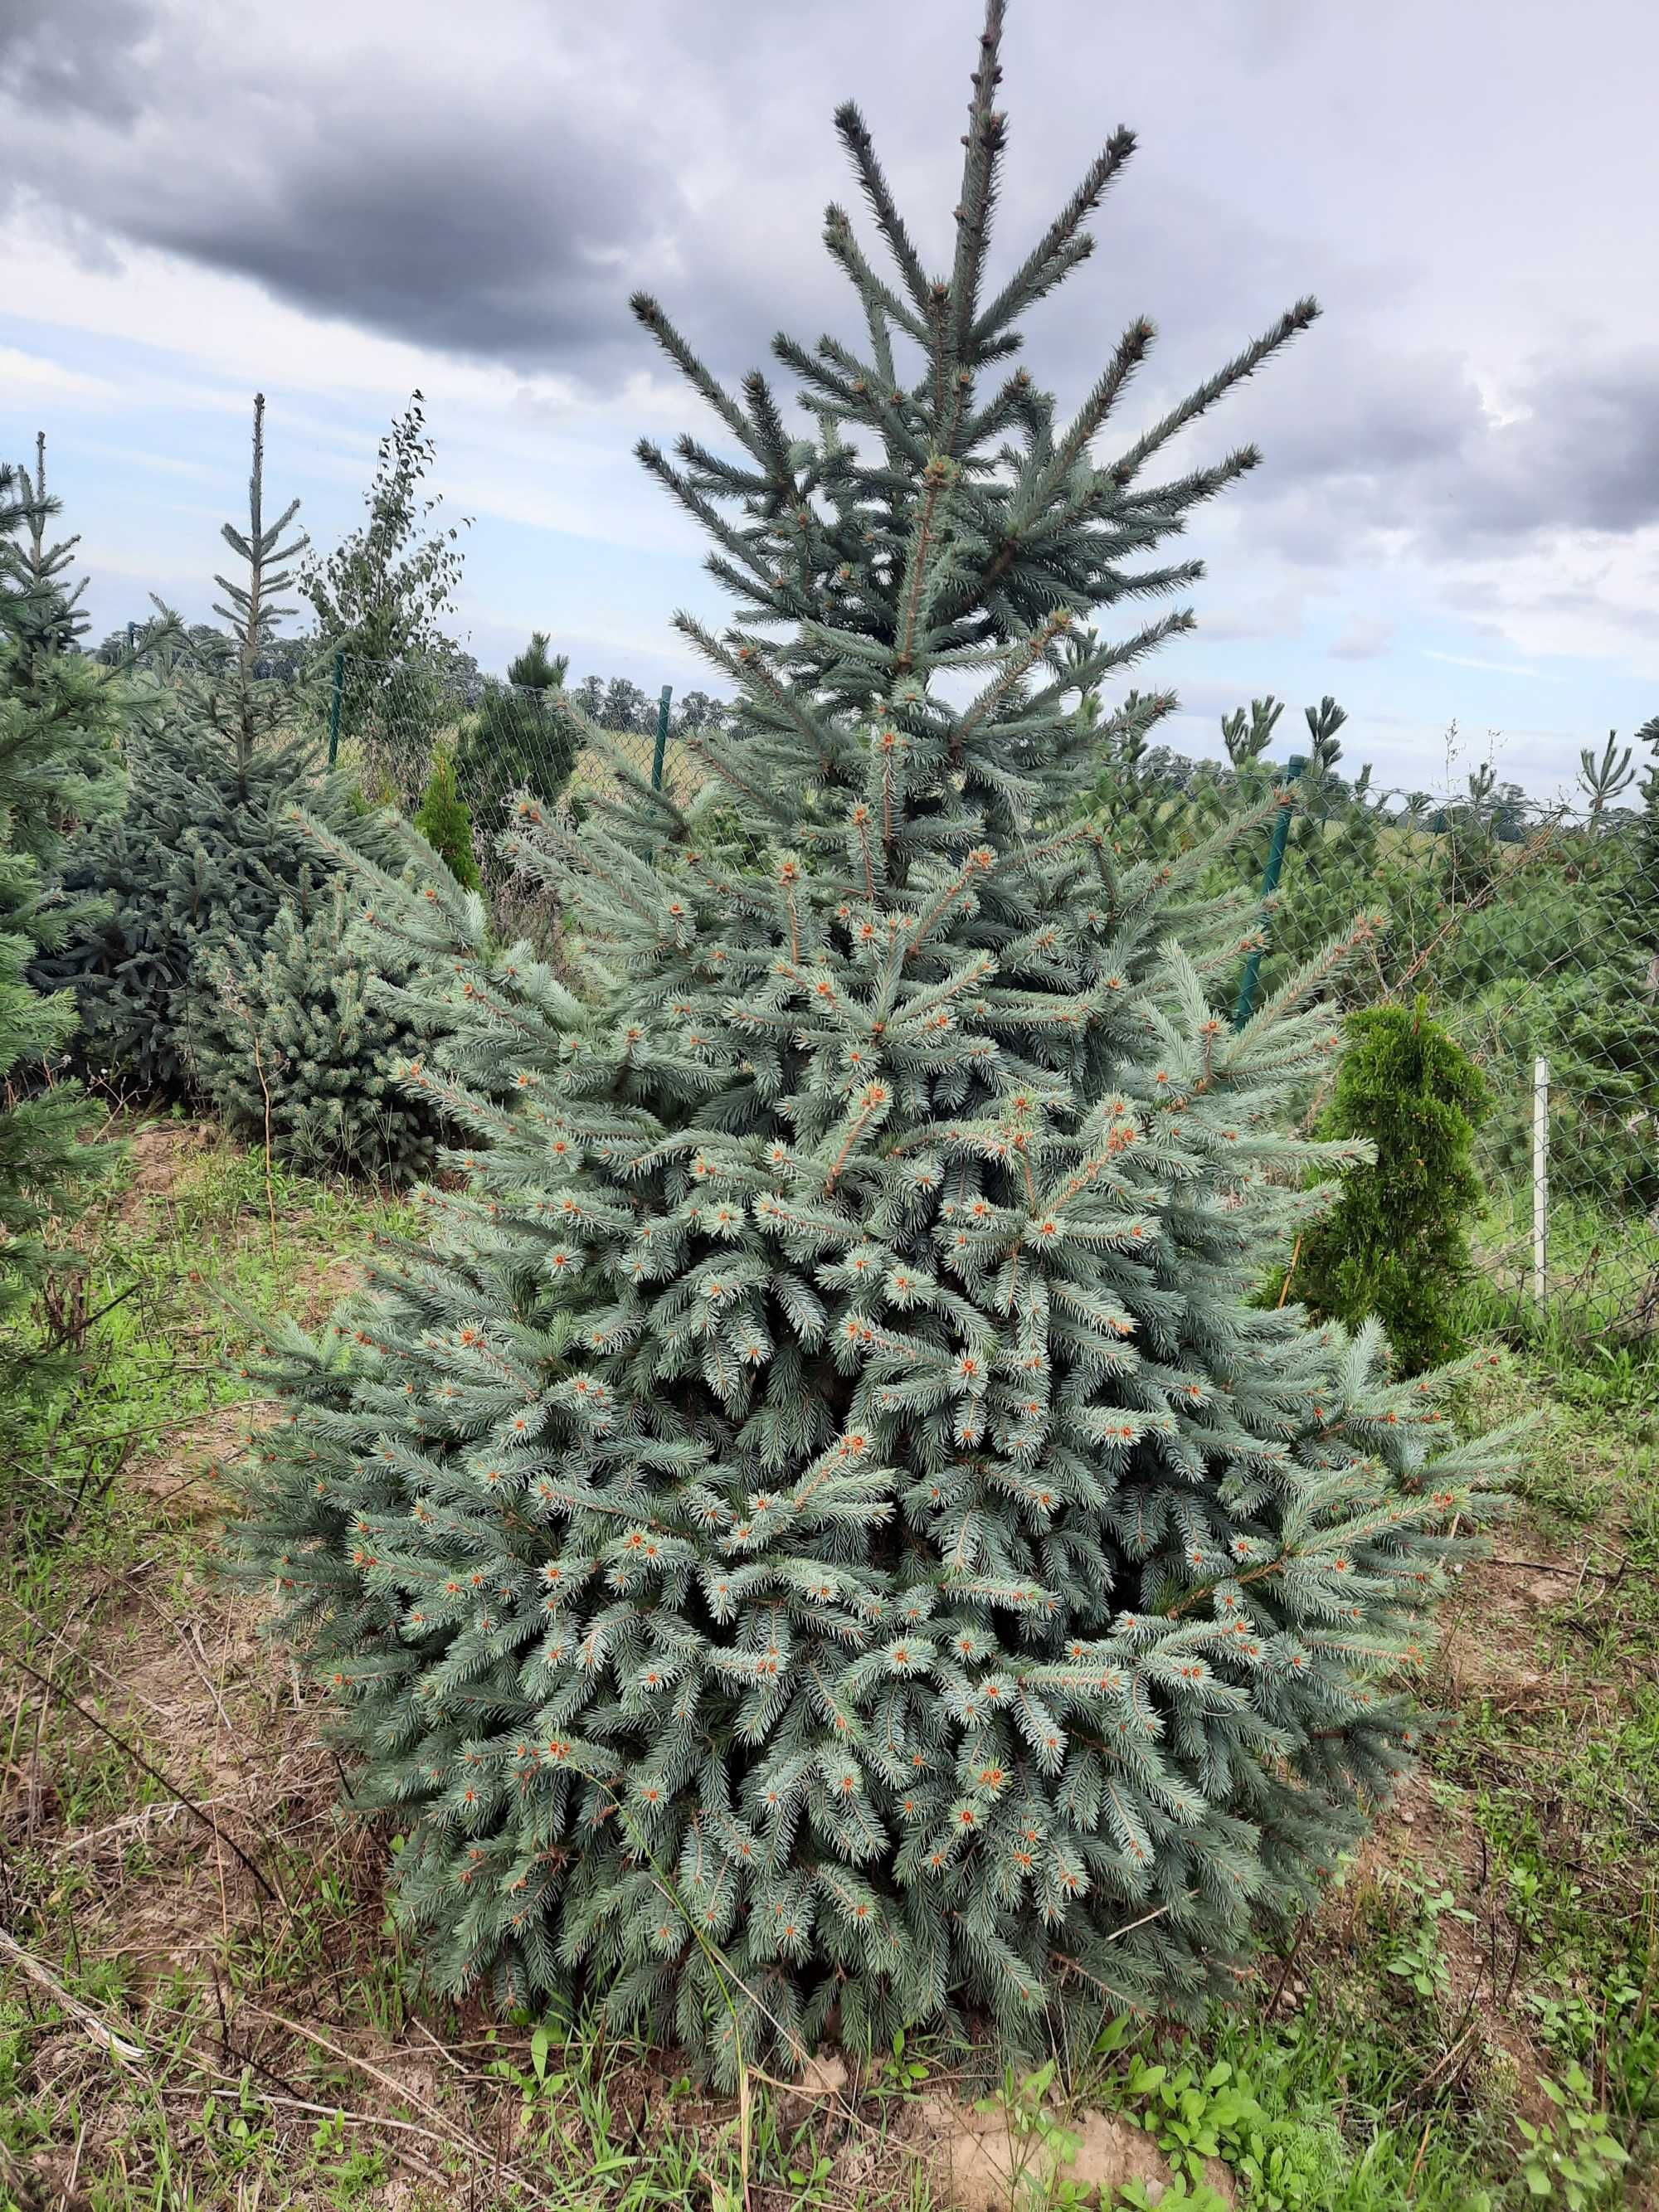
(824,1534)
(1396,1243)
(444,820)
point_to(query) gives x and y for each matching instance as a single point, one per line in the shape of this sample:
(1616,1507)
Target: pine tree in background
(445,821)
(60,727)
(826,1534)
(1396,1245)
(1330,870)
(1150,799)
(696,710)
(589,697)
(536,668)
(1247,738)
(1584,932)
(520,739)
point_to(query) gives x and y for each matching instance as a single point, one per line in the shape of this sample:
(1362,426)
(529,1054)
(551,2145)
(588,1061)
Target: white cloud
(1365,637)
(1588,596)
(34,373)
(1487,667)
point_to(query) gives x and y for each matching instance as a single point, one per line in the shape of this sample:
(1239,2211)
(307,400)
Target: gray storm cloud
(493,184)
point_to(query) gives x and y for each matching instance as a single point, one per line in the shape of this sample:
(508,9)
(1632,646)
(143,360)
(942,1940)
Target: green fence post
(334,708)
(1269,885)
(662,737)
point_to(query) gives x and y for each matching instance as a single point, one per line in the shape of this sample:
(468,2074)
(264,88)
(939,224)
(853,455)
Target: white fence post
(1541,1181)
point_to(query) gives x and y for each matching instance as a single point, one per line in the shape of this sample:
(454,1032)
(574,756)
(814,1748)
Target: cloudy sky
(1458,514)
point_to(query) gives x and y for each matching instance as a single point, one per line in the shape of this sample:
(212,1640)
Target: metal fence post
(662,737)
(1269,885)
(334,708)
(1541,1181)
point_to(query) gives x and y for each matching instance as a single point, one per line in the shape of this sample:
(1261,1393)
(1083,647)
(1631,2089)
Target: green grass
(163,1349)
(1499,1934)
(1565,1790)
(1602,1263)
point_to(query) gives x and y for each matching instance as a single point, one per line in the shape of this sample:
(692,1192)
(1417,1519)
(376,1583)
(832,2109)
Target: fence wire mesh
(1531,930)
(389,720)
(1538,950)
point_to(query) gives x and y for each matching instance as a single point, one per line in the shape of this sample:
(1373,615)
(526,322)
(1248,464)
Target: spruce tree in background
(1647,839)
(223,968)
(202,850)
(825,1534)
(43,607)
(60,727)
(60,768)
(1396,1245)
(305,1048)
(205,853)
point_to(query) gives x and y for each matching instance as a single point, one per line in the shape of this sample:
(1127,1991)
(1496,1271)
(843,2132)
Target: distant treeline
(612,702)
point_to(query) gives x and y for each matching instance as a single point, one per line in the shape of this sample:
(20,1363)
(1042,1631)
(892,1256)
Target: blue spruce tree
(61,725)
(823,1537)
(201,852)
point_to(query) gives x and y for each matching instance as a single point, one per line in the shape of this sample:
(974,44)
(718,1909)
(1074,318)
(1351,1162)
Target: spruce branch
(882,304)
(854,136)
(1059,250)
(983,142)
(1200,401)
(647,312)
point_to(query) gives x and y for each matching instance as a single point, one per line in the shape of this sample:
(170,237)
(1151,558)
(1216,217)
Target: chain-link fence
(1538,949)
(1531,930)
(388,722)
